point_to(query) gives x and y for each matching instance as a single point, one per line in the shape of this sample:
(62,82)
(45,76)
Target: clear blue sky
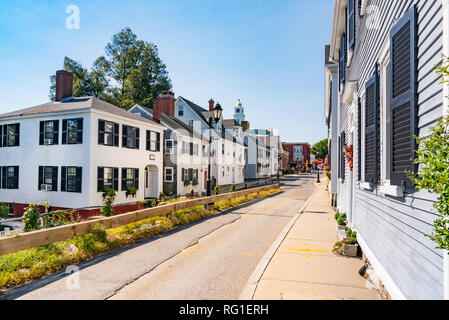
(270,53)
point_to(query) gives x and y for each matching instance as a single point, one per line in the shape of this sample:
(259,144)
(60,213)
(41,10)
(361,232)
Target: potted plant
(349,246)
(341,220)
(131,191)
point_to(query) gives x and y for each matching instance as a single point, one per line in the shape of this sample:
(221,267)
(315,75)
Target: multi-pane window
(10,177)
(168,146)
(153,141)
(223,149)
(185,174)
(168,175)
(71,179)
(72,131)
(107,178)
(49,132)
(194,174)
(180,111)
(130,137)
(130,178)
(108,133)
(10,135)
(48,178)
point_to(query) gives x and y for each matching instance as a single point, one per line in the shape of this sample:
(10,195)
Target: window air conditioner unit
(48,141)
(46,187)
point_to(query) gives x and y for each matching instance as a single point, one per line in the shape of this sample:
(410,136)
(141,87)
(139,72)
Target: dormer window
(180,111)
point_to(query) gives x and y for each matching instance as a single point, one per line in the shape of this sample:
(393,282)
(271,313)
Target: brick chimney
(211,104)
(64,85)
(164,104)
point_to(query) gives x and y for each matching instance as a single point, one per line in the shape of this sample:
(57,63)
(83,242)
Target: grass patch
(27,265)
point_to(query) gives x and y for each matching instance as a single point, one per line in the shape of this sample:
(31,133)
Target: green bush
(217,190)
(109,198)
(32,218)
(341,218)
(162,197)
(187,183)
(4,210)
(233,188)
(131,191)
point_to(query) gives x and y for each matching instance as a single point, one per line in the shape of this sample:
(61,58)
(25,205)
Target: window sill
(366,186)
(394,191)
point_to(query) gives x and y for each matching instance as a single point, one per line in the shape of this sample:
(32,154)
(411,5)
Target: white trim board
(389,284)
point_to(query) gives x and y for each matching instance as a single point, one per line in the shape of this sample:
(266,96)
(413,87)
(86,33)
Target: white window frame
(167,148)
(165,174)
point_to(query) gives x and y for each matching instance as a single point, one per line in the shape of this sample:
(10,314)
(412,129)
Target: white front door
(151,182)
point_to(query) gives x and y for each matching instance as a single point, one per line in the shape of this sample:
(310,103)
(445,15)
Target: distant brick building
(299,154)
(285,159)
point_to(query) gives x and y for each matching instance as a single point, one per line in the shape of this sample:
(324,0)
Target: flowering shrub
(349,156)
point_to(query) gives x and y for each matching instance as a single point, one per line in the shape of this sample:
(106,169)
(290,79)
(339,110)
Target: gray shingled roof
(80,103)
(198,110)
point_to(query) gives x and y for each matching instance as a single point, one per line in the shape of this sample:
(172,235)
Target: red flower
(349,156)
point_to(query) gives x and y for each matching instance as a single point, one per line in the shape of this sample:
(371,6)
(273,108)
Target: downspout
(446,113)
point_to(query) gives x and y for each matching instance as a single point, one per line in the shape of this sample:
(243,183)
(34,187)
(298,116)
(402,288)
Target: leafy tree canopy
(130,72)
(320,150)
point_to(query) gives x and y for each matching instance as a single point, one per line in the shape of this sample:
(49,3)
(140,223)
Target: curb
(250,288)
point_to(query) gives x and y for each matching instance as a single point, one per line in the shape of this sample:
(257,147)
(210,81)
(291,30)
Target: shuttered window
(131,137)
(372,130)
(72,131)
(71,178)
(49,132)
(153,142)
(107,178)
(48,176)
(359,140)
(351,23)
(403,99)
(108,133)
(130,178)
(10,135)
(9,177)
(342,161)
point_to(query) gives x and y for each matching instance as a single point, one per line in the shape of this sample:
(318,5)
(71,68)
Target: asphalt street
(210,259)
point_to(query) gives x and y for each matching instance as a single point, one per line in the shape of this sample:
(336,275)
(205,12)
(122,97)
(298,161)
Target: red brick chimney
(64,85)
(164,104)
(211,104)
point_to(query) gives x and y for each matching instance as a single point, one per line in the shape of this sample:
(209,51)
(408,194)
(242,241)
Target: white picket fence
(6,232)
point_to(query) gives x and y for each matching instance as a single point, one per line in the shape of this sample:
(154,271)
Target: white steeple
(239,113)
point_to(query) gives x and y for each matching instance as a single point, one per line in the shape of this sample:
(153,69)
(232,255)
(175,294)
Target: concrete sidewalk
(304,267)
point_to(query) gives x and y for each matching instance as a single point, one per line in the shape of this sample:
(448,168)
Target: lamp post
(217,111)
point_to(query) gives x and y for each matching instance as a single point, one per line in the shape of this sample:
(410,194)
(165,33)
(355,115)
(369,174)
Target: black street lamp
(217,111)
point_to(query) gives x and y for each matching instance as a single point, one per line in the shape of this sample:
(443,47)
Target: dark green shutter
(41,177)
(136,178)
(4,176)
(125,136)
(115,182)
(64,132)
(79,179)
(41,132)
(116,134)
(372,130)
(101,132)
(63,178)
(123,179)
(100,179)
(403,99)
(54,178)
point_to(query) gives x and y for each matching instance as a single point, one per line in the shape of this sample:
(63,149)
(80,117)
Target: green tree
(320,150)
(432,157)
(130,72)
(4,210)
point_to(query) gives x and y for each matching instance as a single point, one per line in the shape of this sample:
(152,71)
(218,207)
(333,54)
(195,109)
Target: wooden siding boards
(395,229)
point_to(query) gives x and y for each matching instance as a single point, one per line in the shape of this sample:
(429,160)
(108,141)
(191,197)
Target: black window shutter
(79,132)
(115,184)
(190,174)
(137,139)
(359,141)
(16,177)
(100,179)
(41,177)
(372,130)
(125,136)
(101,132)
(17,132)
(403,99)
(342,156)
(191,148)
(41,132)
(63,178)
(64,133)
(79,179)
(136,178)
(148,140)
(54,182)
(55,132)
(351,23)
(1,138)
(123,179)
(5,135)
(3,177)
(158,141)
(116,134)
